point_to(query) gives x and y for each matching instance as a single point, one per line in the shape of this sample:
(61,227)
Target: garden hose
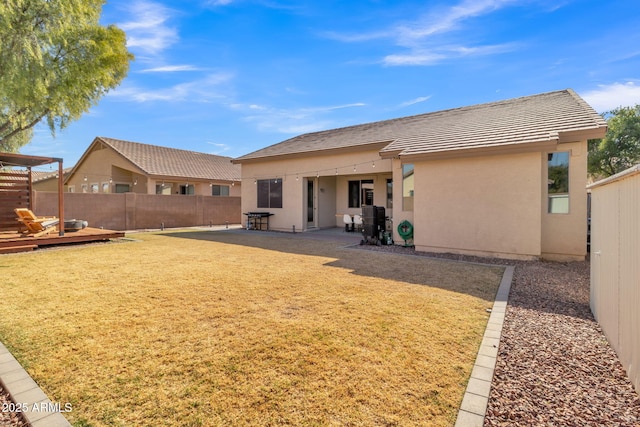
(405,230)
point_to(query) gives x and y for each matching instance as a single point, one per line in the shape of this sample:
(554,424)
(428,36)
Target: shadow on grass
(475,280)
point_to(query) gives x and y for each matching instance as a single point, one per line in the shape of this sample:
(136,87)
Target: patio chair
(36,226)
(357,222)
(348,222)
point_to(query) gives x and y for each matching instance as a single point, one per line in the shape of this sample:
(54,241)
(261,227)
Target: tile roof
(529,119)
(173,162)
(38,176)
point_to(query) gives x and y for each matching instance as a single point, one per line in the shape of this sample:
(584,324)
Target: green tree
(620,148)
(56,61)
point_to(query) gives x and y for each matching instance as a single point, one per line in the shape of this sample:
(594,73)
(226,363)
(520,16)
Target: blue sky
(229,77)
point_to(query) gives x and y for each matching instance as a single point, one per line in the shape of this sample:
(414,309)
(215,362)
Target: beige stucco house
(116,166)
(500,179)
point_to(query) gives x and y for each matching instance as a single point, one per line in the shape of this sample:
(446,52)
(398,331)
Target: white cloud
(293,121)
(415,101)
(413,58)
(441,53)
(218,2)
(147,29)
(442,21)
(170,69)
(201,90)
(219,148)
(607,97)
(357,37)
(423,38)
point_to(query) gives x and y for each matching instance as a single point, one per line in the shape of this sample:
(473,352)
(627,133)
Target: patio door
(311,203)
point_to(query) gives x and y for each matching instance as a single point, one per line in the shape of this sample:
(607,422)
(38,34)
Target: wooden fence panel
(14,193)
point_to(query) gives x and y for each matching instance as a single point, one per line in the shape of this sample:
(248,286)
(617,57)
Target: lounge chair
(36,226)
(348,222)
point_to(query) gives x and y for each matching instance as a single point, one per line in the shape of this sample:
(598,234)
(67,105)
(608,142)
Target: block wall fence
(131,211)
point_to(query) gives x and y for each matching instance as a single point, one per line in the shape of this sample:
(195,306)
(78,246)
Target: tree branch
(28,126)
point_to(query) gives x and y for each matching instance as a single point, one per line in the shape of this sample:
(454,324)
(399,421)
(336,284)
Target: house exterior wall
(564,236)
(98,167)
(50,184)
(201,188)
(488,206)
(330,173)
(401,212)
(326,201)
(615,272)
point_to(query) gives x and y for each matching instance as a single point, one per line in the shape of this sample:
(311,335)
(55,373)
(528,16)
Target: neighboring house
(116,166)
(47,181)
(500,179)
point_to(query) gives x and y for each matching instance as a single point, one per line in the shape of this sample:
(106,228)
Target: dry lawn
(226,328)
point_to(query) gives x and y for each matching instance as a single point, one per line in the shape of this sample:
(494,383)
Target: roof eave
(583,134)
(517,148)
(305,154)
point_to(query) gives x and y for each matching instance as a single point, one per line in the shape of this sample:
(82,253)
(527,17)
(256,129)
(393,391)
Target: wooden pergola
(16,190)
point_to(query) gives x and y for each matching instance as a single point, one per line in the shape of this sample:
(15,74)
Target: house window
(94,187)
(106,187)
(163,188)
(188,189)
(360,193)
(122,188)
(407,187)
(269,193)
(219,190)
(84,188)
(558,182)
(71,189)
(389,194)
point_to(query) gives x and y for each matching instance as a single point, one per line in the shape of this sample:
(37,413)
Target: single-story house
(504,179)
(116,166)
(47,181)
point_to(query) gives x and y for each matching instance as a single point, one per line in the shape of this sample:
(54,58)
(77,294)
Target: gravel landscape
(7,417)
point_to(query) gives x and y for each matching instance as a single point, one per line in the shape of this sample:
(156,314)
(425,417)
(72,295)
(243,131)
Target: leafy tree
(620,148)
(56,61)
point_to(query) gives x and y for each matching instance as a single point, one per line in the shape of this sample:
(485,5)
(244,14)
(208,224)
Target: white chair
(357,222)
(348,222)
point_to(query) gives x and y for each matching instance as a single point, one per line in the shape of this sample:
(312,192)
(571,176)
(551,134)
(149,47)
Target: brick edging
(30,400)
(476,398)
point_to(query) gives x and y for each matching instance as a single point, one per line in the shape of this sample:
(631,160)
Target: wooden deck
(12,242)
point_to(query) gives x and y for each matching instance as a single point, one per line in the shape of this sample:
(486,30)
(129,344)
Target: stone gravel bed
(555,366)
(9,418)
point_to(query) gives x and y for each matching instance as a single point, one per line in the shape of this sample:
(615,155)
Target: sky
(229,77)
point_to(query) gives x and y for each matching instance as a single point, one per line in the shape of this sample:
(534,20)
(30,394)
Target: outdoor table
(257,220)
